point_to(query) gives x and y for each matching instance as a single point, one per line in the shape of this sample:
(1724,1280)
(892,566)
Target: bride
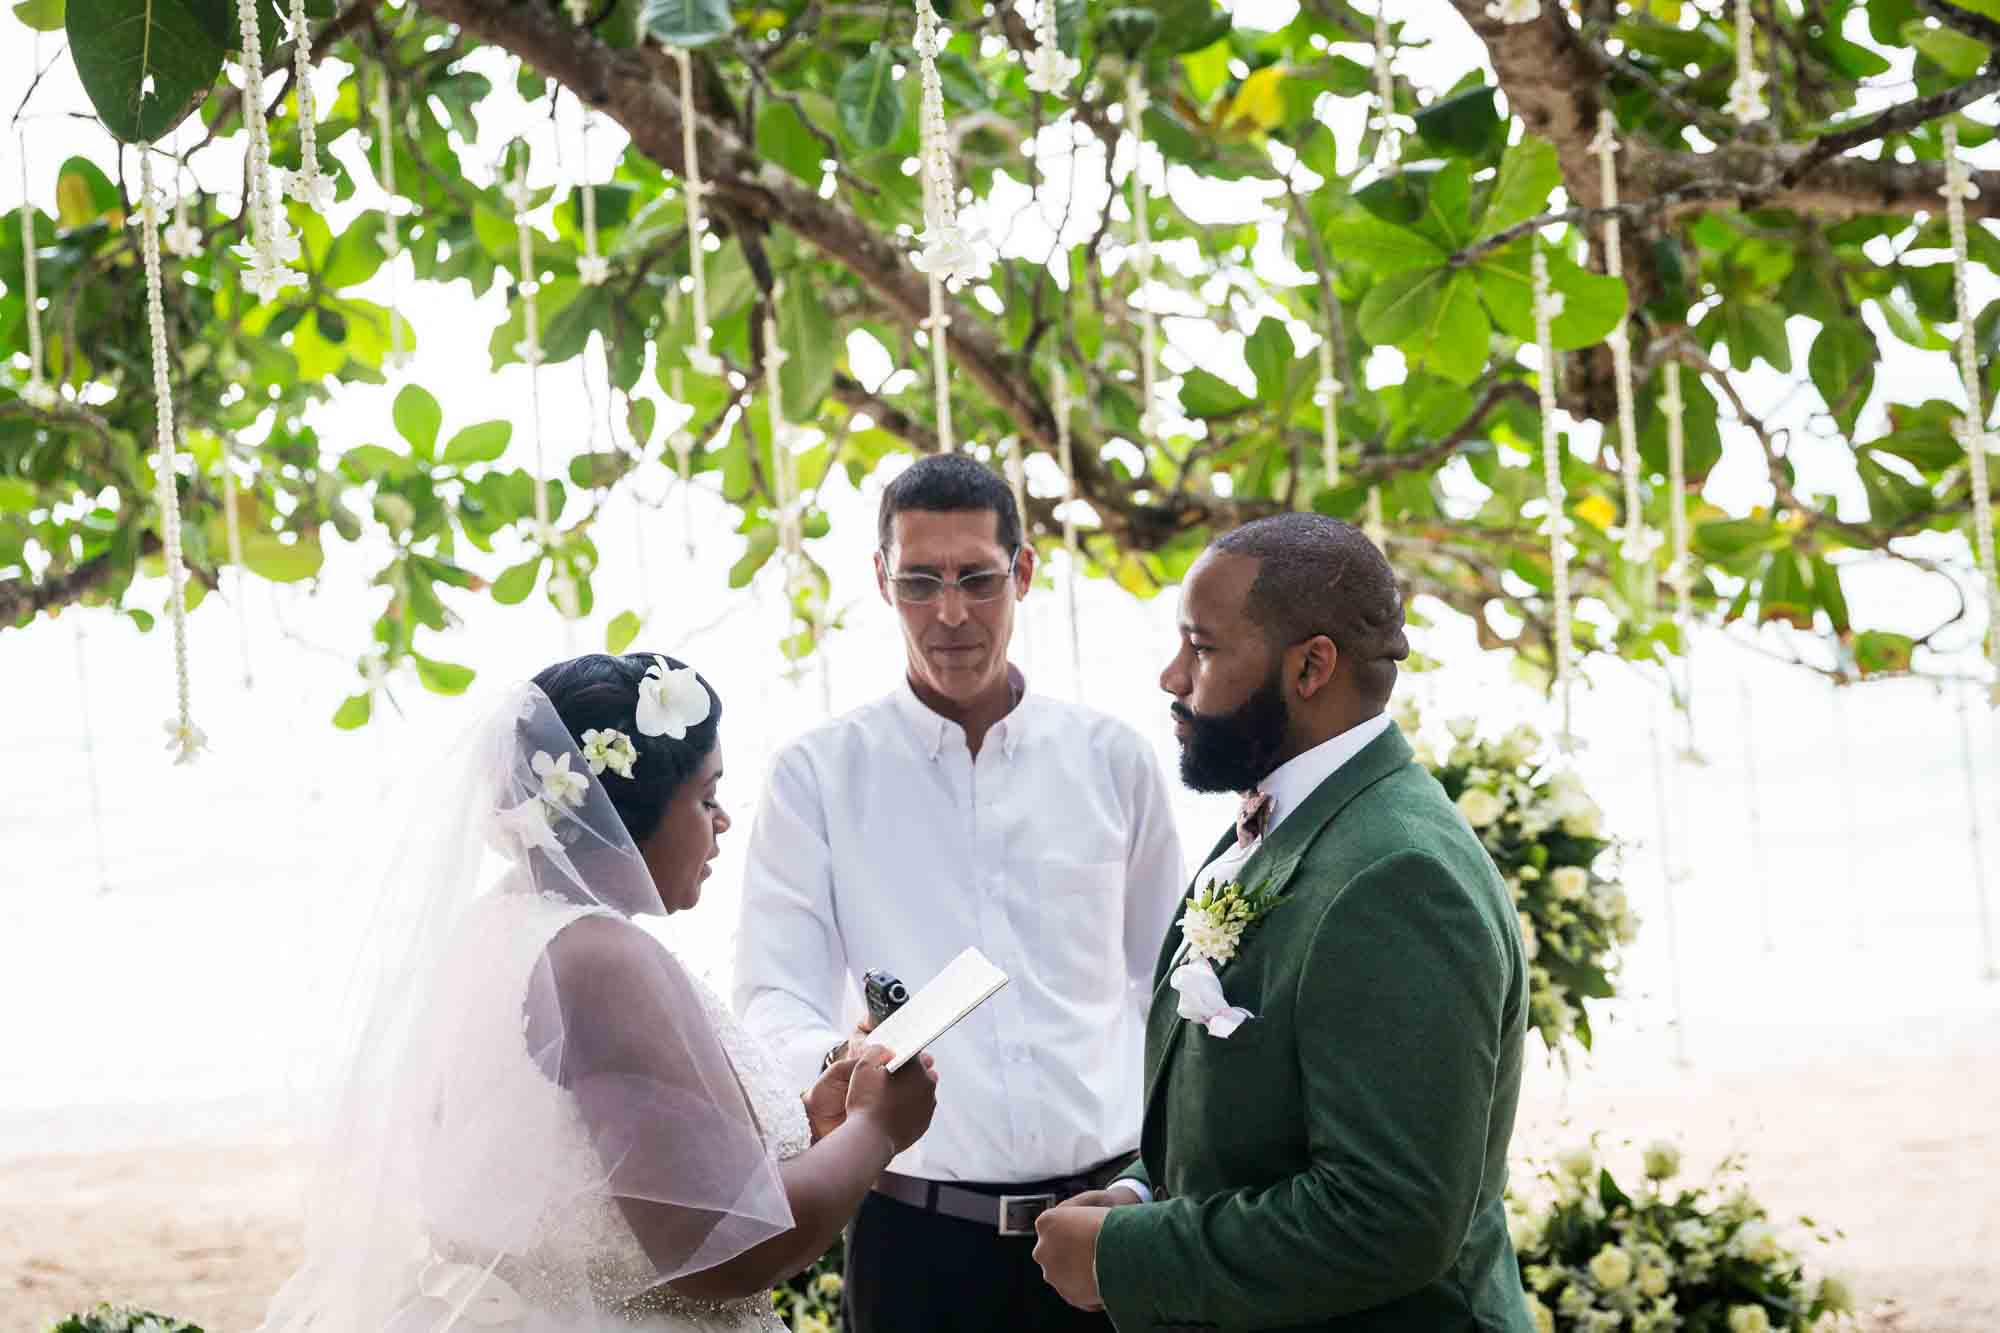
(547,1123)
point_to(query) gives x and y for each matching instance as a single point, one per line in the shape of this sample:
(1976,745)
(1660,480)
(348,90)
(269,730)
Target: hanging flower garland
(40,394)
(529,349)
(1746,94)
(1636,542)
(1387,161)
(784,480)
(183,238)
(184,738)
(1327,394)
(307,185)
(1049,70)
(1972,431)
(273,247)
(1060,382)
(593,268)
(1548,305)
(1136,102)
(233,527)
(699,357)
(949,252)
(1680,575)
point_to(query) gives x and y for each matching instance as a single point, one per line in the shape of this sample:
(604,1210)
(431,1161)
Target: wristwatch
(839,1051)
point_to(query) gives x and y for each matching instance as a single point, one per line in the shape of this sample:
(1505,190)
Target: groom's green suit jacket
(1339,1162)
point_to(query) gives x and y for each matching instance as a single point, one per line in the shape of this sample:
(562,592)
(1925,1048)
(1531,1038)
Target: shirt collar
(1298,777)
(932,729)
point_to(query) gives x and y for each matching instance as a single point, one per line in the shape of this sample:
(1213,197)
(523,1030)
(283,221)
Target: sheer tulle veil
(459,1069)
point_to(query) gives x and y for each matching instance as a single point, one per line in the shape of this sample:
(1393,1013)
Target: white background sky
(191,965)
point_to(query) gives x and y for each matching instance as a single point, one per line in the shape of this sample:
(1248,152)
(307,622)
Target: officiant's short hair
(947,484)
(1318,575)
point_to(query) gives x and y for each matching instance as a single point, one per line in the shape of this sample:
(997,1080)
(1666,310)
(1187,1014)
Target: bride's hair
(601,692)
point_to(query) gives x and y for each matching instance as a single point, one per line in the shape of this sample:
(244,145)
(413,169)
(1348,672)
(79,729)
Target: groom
(1330,1091)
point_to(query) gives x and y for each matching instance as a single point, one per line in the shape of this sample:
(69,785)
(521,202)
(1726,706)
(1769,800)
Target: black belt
(1010,1209)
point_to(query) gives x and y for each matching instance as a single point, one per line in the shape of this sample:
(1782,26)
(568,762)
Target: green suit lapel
(1274,862)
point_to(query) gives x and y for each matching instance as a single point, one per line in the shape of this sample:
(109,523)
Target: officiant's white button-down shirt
(882,843)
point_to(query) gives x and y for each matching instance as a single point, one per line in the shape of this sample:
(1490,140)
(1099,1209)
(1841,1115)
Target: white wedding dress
(560,1270)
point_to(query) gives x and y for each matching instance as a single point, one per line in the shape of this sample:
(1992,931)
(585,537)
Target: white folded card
(967,982)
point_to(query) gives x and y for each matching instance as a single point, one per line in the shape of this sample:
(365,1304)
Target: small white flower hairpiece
(671,700)
(559,786)
(609,748)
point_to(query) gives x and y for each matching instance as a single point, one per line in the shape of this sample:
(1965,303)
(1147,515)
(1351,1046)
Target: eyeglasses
(980,585)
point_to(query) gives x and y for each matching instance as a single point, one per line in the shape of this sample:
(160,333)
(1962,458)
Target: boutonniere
(1213,926)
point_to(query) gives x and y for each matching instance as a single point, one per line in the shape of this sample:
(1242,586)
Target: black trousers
(909,1271)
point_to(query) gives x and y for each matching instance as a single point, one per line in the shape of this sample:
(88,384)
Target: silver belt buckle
(1019,1211)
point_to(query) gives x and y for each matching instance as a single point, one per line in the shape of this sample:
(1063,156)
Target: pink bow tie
(1252,818)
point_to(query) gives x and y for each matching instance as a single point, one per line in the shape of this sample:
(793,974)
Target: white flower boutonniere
(671,700)
(1213,927)
(610,749)
(559,786)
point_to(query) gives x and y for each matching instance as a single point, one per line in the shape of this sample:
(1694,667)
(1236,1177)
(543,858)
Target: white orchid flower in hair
(559,785)
(671,699)
(610,749)
(520,829)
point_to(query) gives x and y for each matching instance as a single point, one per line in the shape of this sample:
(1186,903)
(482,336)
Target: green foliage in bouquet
(1546,835)
(121,1319)
(1703,1259)
(810,1302)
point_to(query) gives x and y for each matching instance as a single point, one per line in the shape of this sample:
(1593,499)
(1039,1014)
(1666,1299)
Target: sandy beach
(1894,1142)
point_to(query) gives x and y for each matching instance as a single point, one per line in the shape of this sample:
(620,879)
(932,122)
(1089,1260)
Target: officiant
(963,808)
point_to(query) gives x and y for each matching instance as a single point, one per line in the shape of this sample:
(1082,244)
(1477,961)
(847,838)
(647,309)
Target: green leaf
(41,15)
(1529,173)
(354,711)
(1592,302)
(686,23)
(961,83)
(1403,304)
(517,581)
(1955,53)
(871,108)
(1466,123)
(1877,651)
(418,417)
(442,677)
(1269,351)
(1453,343)
(356,253)
(1204,394)
(1758,330)
(282,562)
(1842,366)
(118,45)
(1786,593)
(812,349)
(481,443)
(618,635)
(16,497)
(1208,69)
(1380,247)
(84,194)
(782,137)
(763,542)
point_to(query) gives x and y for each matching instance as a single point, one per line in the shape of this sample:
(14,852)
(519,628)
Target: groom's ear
(1310,664)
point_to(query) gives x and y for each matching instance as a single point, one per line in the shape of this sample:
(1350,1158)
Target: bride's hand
(826,1102)
(900,1104)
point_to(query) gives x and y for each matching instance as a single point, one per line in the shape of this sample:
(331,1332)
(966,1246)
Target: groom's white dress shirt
(882,843)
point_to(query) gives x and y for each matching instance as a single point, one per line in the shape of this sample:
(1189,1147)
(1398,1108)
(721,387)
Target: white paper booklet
(967,982)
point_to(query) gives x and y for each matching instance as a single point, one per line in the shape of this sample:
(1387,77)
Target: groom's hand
(1066,1248)
(1117,1196)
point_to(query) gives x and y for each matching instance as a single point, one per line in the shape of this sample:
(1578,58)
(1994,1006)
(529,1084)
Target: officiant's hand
(1066,1248)
(1117,1196)
(900,1104)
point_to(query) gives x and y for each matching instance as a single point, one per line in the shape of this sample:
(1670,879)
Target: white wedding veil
(505,1005)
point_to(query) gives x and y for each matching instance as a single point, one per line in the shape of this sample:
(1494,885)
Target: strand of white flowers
(90,756)
(1329,411)
(530,348)
(259,147)
(1753,810)
(703,360)
(1746,100)
(1989,967)
(1049,70)
(1059,382)
(392,239)
(308,187)
(592,270)
(1972,434)
(233,527)
(1678,572)
(1552,484)
(185,739)
(783,482)
(39,393)
(1136,101)
(1634,545)
(182,240)
(1670,880)
(940,211)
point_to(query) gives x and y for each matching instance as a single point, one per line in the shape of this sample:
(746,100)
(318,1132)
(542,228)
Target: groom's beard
(1234,751)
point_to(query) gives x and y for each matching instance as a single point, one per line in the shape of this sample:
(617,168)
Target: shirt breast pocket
(1081,906)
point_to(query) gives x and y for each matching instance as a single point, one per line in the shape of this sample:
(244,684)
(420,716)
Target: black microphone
(885,995)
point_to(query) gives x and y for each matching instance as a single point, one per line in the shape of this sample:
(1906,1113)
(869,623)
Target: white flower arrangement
(609,748)
(1546,835)
(1594,1257)
(671,700)
(950,253)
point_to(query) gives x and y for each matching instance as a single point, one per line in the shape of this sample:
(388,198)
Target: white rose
(1570,882)
(1545,1319)
(1463,728)
(1757,1242)
(1479,806)
(1577,1162)
(1526,1232)
(1529,941)
(1653,1280)
(1749,1319)
(1611,1268)
(1662,1159)
(1583,820)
